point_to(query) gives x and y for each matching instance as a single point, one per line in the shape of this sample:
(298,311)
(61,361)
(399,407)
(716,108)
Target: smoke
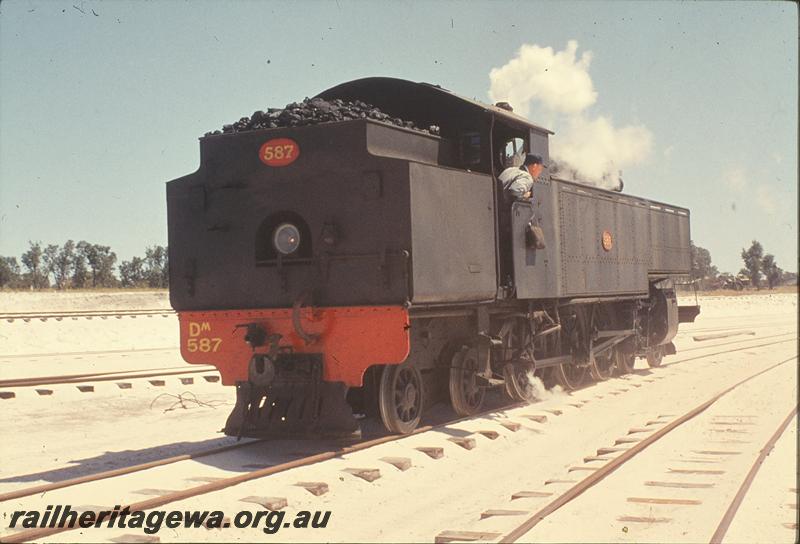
(558,85)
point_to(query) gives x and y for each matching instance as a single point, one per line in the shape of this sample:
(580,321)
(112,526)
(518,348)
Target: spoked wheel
(602,365)
(466,395)
(655,356)
(519,385)
(572,375)
(400,398)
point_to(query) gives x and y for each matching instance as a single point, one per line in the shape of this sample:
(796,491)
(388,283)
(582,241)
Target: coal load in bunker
(353,257)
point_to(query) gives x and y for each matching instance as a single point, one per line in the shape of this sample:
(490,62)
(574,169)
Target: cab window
(513,153)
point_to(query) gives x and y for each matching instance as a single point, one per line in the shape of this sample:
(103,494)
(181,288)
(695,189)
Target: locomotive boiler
(362,268)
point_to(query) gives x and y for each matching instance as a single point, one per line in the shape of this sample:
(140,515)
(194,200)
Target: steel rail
(793,339)
(37,534)
(44,488)
(84,313)
(757,339)
(135,468)
(148,504)
(96,352)
(98,376)
(104,376)
(601,473)
(726,520)
(757,325)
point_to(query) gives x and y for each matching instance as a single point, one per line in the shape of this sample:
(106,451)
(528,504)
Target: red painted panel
(351,339)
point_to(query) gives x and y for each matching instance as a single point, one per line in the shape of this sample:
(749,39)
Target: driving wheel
(602,365)
(400,398)
(575,342)
(466,395)
(570,376)
(519,384)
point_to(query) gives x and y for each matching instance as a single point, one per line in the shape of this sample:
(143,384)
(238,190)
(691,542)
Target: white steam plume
(595,147)
(536,391)
(587,148)
(555,79)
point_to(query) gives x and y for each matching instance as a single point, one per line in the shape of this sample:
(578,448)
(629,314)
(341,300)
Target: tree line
(82,265)
(759,269)
(85,266)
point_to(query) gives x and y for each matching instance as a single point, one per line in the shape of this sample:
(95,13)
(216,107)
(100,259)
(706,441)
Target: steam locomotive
(361,268)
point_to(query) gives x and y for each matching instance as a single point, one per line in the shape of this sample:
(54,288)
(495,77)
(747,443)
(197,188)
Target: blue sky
(97,112)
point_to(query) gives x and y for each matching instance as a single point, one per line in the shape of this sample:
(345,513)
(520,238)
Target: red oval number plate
(279,152)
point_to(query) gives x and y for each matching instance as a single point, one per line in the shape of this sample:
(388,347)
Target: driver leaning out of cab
(518,180)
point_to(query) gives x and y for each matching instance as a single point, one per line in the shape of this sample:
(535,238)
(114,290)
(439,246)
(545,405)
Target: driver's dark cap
(531,158)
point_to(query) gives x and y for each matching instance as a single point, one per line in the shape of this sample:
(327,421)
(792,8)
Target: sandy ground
(71,433)
(80,345)
(52,301)
(725,438)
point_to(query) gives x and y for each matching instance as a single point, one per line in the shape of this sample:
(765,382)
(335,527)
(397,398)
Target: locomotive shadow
(257,455)
(645,371)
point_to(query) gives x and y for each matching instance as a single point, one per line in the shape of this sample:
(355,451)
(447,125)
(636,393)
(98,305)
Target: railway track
(84,314)
(768,324)
(107,376)
(102,352)
(149,373)
(790,337)
(212,486)
(85,379)
(730,513)
(787,335)
(221,483)
(637,448)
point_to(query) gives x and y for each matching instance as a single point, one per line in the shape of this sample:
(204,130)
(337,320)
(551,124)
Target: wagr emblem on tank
(279,152)
(608,240)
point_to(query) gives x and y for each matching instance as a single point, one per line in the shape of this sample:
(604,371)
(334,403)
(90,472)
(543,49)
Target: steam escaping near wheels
(537,391)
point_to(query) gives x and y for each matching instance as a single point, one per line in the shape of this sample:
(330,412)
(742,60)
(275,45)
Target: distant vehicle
(363,267)
(731,282)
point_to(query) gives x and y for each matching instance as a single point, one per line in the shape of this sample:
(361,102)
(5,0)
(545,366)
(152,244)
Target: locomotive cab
(511,141)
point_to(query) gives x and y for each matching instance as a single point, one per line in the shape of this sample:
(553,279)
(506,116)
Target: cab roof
(424,103)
